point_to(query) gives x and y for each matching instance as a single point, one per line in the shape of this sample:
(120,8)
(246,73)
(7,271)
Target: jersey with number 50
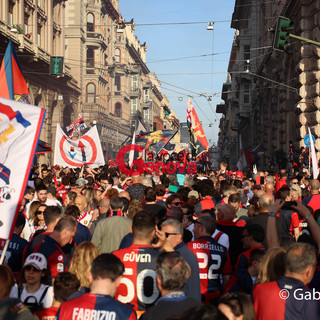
(213,259)
(138,285)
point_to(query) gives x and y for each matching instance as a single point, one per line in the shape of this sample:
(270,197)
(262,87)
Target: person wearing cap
(239,175)
(80,185)
(33,288)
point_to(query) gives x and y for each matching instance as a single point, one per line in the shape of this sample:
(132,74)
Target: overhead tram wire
(199,107)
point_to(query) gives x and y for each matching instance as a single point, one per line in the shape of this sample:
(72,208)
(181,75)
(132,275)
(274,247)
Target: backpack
(36,305)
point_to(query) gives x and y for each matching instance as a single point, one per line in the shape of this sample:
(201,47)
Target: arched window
(91,93)
(90,58)
(117,110)
(90,22)
(117,55)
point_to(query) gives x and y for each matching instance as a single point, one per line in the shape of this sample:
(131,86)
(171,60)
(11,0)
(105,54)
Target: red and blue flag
(13,86)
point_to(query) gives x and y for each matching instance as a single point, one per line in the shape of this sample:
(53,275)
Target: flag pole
(4,251)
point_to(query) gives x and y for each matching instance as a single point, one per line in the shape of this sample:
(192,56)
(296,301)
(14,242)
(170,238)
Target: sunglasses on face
(29,268)
(170,234)
(176,203)
(39,212)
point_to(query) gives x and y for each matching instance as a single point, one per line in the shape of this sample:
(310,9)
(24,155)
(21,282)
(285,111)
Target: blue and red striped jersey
(213,259)
(95,306)
(138,286)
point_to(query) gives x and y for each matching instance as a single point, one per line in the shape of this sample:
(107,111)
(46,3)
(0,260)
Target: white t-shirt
(46,301)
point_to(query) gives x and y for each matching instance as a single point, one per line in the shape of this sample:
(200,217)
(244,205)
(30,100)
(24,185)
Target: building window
(26,18)
(117,83)
(246,93)
(134,106)
(39,35)
(118,110)
(90,22)
(117,55)
(10,20)
(146,95)
(90,58)
(146,114)
(134,82)
(132,125)
(246,52)
(91,93)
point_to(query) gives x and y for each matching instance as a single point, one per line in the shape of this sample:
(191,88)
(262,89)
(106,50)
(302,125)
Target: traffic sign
(307,140)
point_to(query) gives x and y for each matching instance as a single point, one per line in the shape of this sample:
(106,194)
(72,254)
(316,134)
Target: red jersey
(213,259)
(206,203)
(47,314)
(138,285)
(95,306)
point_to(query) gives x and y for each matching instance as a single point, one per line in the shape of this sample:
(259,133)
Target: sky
(203,69)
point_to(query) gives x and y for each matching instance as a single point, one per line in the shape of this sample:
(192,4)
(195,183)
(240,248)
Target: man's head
(124,194)
(204,226)
(174,200)
(228,191)
(109,269)
(172,272)
(65,230)
(314,185)
(143,226)
(226,212)
(146,181)
(284,194)
(65,284)
(150,194)
(255,261)
(234,200)
(116,203)
(103,206)
(81,183)
(269,187)
(173,230)
(20,223)
(265,201)
(52,214)
(81,203)
(29,194)
(252,235)
(175,213)
(205,187)
(42,193)
(301,261)
(104,181)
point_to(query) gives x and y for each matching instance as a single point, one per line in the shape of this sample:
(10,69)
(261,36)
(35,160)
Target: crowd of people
(97,244)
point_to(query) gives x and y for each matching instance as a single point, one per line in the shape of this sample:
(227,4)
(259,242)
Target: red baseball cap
(239,174)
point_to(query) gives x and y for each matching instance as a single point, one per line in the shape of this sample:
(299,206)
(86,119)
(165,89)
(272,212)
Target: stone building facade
(285,93)
(37,31)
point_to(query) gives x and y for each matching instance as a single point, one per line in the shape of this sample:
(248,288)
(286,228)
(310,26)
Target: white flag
(20,126)
(315,169)
(242,163)
(131,153)
(75,153)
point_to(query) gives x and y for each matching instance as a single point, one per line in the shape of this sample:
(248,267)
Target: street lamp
(210,25)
